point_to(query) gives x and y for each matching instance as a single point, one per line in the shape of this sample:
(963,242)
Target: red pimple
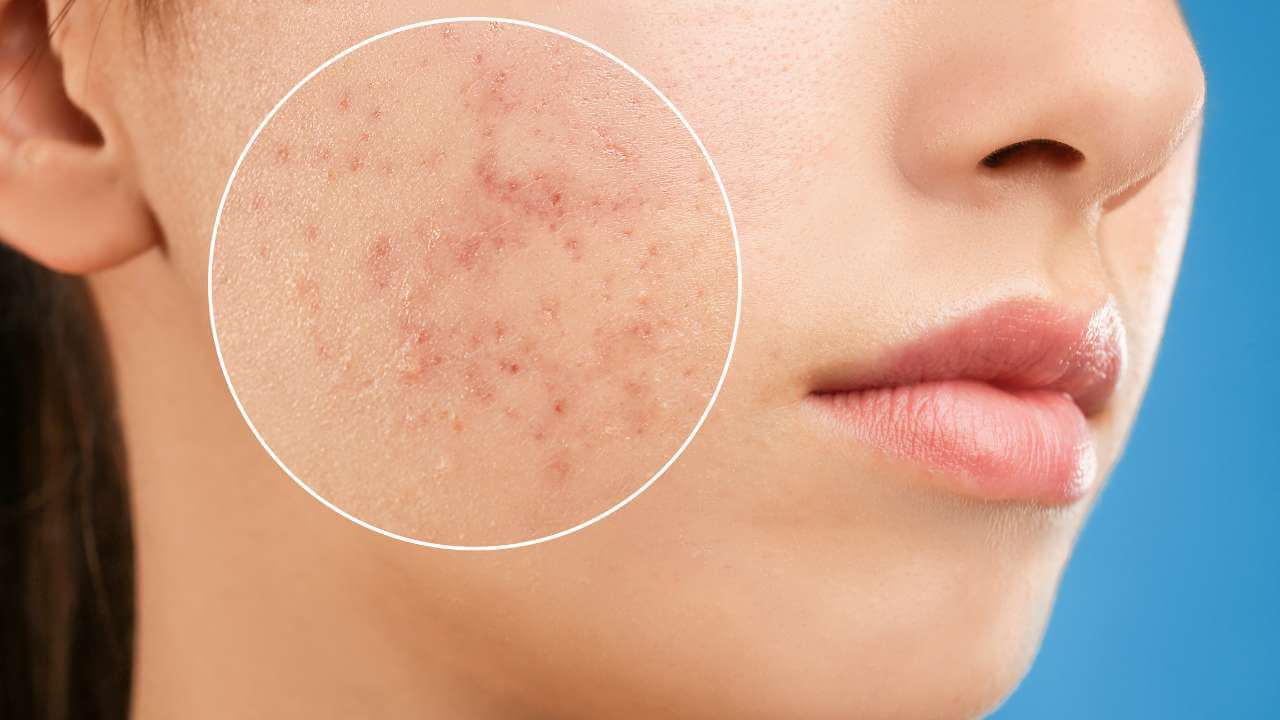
(378,261)
(478,58)
(559,467)
(308,293)
(364,137)
(466,249)
(558,407)
(282,154)
(642,330)
(259,202)
(319,161)
(512,367)
(355,162)
(571,247)
(484,170)
(311,233)
(420,358)
(376,115)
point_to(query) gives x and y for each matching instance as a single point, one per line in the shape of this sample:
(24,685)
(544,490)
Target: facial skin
(777,570)
(502,283)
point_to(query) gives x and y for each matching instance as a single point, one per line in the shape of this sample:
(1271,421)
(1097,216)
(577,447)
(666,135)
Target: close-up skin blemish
(542,302)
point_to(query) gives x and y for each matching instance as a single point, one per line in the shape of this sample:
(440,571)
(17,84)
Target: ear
(67,197)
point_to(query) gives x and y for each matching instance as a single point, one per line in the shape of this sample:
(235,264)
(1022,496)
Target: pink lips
(995,404)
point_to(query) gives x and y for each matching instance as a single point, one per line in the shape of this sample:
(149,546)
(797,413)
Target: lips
(994,405)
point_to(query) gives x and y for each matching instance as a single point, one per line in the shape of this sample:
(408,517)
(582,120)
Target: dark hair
(66,548)
(66,551)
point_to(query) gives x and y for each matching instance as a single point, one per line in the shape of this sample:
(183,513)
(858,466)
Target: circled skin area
(501,282)
(780,569)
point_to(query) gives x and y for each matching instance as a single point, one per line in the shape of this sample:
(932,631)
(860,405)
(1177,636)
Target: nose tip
(1079,101)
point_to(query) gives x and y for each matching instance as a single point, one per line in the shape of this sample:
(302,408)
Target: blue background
(1170,606)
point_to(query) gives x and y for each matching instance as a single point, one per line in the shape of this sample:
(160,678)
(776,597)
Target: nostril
(1037,150)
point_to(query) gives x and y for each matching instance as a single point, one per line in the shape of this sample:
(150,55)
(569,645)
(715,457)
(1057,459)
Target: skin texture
(502,283)
(779,570)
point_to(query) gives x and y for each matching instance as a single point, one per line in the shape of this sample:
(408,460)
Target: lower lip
(979,440)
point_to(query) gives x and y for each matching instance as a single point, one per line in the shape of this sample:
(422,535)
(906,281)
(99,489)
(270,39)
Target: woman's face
(816,552)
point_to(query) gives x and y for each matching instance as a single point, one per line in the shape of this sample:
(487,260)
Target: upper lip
(1017,345)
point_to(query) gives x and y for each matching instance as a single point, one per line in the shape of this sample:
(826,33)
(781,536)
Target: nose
(1075,101)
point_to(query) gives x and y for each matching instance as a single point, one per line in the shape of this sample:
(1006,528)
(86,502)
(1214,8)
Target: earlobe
(66,198)
(66,207)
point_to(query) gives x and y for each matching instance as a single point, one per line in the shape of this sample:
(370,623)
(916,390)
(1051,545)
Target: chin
(957,654)
(942,624)
(957,657)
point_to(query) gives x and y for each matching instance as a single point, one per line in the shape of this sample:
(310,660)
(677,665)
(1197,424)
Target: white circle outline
(737,251)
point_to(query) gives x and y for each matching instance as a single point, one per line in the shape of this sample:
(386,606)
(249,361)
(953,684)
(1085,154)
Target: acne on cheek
(522,296)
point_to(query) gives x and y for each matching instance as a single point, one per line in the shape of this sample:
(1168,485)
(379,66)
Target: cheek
(474,284)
